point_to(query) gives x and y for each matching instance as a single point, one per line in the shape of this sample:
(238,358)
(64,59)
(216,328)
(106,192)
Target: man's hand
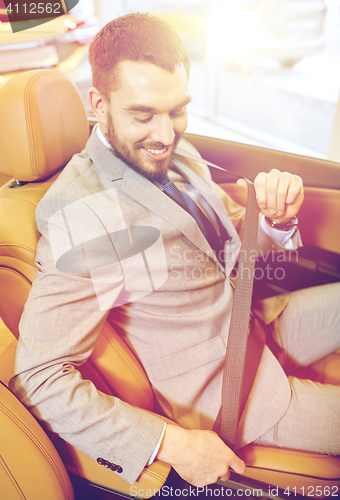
(199,457)
(279,194)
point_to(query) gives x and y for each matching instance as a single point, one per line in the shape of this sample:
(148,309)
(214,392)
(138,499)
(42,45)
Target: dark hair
(134,37)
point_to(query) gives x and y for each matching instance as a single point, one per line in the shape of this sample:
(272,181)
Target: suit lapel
(150,196)
(104,158)
(146,193)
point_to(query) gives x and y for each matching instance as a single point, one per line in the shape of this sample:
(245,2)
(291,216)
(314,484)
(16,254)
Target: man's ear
(98,105)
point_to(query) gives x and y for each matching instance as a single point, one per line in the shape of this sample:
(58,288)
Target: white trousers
(309,329)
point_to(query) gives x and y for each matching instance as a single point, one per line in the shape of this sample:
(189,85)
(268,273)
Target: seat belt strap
(234,367)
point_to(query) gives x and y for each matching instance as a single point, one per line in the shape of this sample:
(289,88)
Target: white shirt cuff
(281,237)
(153,456)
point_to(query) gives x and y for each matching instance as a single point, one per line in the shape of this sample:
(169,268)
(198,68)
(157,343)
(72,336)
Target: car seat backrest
(43,125)
(30,467)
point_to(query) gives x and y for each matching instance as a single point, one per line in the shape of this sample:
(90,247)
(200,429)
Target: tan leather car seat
(45,125)
(30,467)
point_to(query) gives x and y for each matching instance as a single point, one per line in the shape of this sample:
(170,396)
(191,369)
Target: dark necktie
(183,199)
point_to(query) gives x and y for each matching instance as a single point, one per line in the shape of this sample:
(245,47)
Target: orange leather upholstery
(30,466)
(50,123)
(128,380)
(46,125)
(302,472)
(40,132)
(19,237)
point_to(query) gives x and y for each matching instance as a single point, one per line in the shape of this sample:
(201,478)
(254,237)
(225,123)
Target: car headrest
(43,124)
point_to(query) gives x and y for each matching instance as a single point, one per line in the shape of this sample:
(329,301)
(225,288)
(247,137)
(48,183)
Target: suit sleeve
(62,319)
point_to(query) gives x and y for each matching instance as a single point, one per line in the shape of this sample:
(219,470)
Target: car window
(263,72)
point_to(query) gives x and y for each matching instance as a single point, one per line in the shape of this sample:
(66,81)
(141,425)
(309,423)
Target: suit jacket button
(101,461)
(119,469)
(113,467)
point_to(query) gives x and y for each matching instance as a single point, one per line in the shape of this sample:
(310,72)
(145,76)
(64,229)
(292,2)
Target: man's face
(147,116)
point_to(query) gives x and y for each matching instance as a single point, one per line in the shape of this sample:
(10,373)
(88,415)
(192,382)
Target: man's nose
(163,130)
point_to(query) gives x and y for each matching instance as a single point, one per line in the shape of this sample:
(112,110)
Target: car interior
(43,125)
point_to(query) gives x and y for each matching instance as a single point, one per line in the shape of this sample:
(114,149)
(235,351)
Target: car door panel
(249,160)
(318,261)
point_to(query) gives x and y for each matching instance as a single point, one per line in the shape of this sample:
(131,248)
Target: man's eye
(179,111)
(143,120)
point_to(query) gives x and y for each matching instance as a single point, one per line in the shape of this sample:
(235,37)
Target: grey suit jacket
(115,246)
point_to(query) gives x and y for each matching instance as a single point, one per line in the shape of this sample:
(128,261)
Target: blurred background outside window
(264,72)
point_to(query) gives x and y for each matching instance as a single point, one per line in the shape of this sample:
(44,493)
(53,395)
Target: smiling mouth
(157,151)
(157,154)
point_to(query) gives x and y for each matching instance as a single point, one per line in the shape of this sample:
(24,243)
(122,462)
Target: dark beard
(152,176)
(120,151)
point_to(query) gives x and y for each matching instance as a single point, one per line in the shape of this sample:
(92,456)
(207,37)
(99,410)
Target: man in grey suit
(115,245)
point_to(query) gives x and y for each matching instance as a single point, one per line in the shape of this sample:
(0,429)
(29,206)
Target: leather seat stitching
(16,272)
(156,475)
(20,196)
(27,100)
(11,478)
(17,246)
(36,442)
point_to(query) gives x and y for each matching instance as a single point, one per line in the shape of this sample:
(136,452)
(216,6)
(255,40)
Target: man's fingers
(260,184)
(272,186)
(276,190)
(295,189)
(283,186)
(238,465)
(199,457)
(225,478)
